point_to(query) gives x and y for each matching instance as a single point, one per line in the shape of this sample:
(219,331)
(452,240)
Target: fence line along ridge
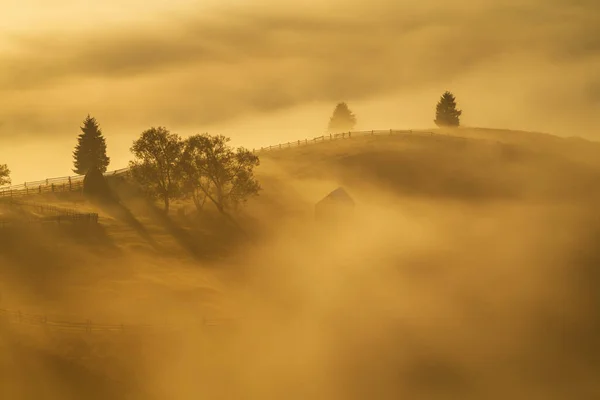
(75,182)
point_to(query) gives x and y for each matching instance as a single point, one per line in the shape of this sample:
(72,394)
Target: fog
(431,290)
(263,73)
(467,271)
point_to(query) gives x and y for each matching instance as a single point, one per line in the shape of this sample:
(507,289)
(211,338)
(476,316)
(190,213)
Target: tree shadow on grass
(214,241)
(120,212)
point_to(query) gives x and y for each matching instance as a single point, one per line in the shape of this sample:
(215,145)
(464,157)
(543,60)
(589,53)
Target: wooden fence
(75,182)
(51,185)
(58,214)
(87,326)
(342,135)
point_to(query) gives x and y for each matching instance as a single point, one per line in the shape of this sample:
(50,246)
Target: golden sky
(264,72)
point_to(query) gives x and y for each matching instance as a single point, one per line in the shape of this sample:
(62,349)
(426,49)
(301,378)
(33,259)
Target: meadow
(469,270)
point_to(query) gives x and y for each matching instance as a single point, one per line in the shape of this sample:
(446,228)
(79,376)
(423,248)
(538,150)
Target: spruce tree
(90,151)
(342,120)
(446,114)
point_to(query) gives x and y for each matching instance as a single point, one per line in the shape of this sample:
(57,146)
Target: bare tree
(4,175)
(215,171)
(157,165)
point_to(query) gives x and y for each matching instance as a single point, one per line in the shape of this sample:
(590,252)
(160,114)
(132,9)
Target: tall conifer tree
(446,114)
(90,151)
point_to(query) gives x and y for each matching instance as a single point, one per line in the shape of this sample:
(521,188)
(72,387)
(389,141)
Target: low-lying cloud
(531,64)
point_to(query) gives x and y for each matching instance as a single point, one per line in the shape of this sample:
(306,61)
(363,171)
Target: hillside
(468,249)
(463,165)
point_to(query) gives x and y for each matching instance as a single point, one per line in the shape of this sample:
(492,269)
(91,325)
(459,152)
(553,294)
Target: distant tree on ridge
(446,113)
(342,120)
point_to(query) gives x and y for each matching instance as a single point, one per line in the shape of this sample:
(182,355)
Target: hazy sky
(264,72)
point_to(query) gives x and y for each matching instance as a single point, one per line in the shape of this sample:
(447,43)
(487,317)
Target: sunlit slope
(462,164)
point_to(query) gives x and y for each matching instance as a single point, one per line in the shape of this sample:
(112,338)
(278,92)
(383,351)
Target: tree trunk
(196,197)
(166,199)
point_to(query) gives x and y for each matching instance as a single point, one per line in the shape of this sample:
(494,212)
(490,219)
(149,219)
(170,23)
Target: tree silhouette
(446,114)
(4,175)
(90,151)
(158,161)
(342,120)
(216,171)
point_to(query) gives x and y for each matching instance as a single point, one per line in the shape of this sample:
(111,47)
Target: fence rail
(51,185)
(87,326)
(75,182)
(338,136)
(61,214)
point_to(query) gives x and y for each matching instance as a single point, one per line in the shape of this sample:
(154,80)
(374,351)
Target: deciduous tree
(342,120)
(4,175)
(157,163)
(216,171)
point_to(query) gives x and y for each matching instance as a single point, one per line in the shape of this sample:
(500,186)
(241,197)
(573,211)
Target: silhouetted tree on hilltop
(446,114)
(158,163)
(342,120)
(90,151)
(216,171)
(4,175)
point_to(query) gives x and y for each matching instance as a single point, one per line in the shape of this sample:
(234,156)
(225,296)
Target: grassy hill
(469,250)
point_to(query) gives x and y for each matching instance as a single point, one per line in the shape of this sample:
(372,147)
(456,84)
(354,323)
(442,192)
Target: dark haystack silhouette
(335,206)
(96,186)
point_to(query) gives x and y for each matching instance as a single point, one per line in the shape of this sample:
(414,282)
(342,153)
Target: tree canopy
(216,171)
(157,163)
(90,151)
(342,120)
(446,114)
(4,175)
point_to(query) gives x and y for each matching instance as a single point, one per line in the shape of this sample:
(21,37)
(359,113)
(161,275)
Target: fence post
(372,133)
(70,185)
(53,188)
(390,131)
(349,135)
(40,189)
